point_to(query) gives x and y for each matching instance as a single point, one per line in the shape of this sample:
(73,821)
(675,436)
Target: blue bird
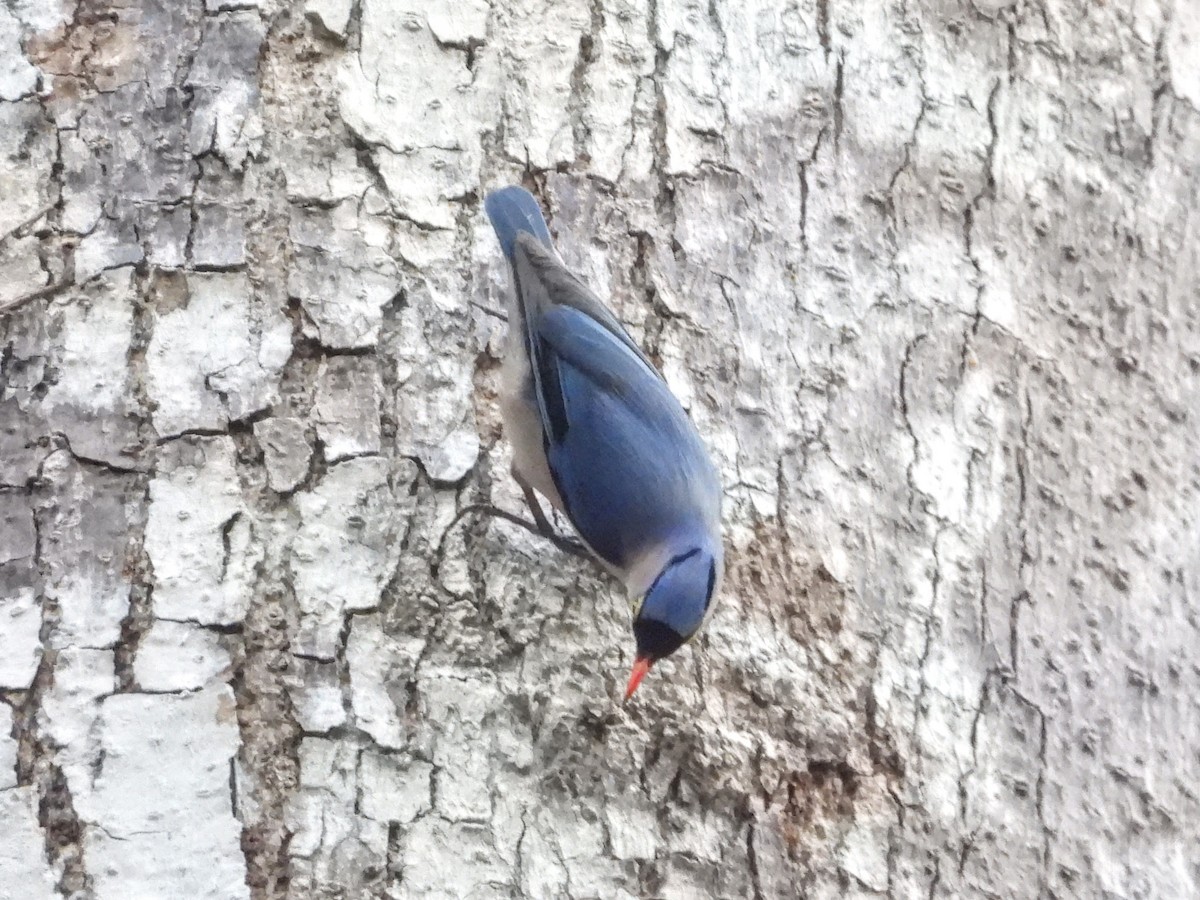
(596,430)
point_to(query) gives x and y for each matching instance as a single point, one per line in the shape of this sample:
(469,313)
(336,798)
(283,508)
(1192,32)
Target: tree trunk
(926,279)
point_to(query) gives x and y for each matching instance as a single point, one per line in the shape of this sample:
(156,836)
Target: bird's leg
(565,544)
(539,516)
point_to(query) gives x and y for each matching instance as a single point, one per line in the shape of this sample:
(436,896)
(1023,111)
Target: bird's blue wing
(628,463)
(574,338)
(544,283)
(543,286)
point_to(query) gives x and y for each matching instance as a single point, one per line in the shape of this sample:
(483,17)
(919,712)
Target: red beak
(641,666)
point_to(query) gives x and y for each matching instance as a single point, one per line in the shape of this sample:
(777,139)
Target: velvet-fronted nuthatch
(596,430)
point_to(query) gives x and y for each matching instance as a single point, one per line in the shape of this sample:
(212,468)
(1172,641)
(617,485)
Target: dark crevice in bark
(38,765)
(270,738)
(580,89)
(838,100)
(823,26)
(140,572)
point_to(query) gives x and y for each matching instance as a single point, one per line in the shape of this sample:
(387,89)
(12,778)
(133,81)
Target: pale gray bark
(925,275)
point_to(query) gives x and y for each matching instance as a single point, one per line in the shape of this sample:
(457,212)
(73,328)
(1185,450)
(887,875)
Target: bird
(596,430)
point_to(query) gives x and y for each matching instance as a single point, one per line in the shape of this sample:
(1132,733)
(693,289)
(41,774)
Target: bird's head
(674,608)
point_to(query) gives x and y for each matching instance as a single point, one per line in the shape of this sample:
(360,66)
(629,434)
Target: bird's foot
(563,543)
(545,529)
(567,544)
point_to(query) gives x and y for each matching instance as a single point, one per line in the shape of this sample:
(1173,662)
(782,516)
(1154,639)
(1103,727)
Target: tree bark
(925,277)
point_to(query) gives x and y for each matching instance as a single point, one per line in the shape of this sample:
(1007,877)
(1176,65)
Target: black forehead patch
(656,639)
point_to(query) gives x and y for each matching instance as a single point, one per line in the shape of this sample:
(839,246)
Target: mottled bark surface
(925,276)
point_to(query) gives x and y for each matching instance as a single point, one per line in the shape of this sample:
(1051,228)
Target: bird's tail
(513,210)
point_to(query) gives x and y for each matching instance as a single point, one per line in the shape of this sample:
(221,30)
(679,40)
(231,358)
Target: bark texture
(925,275)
